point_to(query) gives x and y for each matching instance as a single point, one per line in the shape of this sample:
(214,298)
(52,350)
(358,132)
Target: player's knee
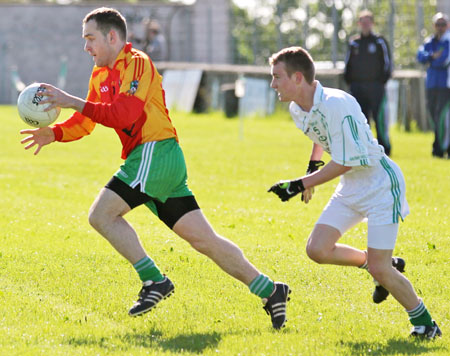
(211,244)
(380,272)
(96,220)
(316,253)
(200,243)
(201,246)
(93,219)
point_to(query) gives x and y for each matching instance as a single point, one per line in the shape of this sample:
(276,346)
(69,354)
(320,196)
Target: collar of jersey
(303,116)
(123,54)
(318,95)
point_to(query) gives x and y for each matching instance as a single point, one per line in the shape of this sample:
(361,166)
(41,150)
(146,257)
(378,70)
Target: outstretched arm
(57,97)
(45,135)
(288,189)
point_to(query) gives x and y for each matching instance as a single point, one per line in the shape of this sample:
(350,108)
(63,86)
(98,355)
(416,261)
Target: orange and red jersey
(128,98)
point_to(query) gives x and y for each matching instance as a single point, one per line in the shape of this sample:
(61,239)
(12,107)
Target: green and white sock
(420,316)
(365,265)
(147,270)
(262,286)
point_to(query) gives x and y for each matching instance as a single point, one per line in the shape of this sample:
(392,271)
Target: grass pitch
(65,291)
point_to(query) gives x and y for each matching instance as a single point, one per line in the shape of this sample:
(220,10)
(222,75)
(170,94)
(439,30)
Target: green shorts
(157,169)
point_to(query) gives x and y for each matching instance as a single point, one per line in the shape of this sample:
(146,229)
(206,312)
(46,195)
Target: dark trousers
(438,100)
(371,97)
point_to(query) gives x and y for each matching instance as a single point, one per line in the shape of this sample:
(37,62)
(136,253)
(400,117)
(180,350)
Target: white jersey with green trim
(337,123)
(375,187)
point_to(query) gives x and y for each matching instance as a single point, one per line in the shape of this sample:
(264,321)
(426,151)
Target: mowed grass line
(65,291)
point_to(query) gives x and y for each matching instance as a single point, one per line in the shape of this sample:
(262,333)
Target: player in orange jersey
(125,94)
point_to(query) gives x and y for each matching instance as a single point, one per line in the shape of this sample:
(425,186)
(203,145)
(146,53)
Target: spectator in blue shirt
(435,53)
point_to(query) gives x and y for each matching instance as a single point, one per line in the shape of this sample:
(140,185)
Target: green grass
(65,291)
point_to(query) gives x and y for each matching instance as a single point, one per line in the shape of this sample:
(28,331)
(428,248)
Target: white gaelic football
(29,109)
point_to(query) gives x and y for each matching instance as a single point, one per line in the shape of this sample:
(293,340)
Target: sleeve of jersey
(446,53)
(442,61)
(347,68)
(78,125)
(423,55)
(129,105)
(348,142)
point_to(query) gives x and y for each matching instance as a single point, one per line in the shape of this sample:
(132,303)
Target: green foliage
(258,34)
(71,2)
(65,291)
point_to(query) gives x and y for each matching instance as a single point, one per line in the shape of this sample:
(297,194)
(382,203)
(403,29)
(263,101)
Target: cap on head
(440,16)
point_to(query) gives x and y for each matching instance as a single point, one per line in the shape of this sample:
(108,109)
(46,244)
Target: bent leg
(322,247)
(195,229)
(106,216)
(380,267)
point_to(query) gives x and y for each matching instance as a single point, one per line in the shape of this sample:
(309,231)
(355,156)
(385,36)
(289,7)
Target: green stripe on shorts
(158,169)
(395,190)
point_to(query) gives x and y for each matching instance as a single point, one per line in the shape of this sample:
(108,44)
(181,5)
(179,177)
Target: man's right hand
(40,137)
(437,54)
(286,189)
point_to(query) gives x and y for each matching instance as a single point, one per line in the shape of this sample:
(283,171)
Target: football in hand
(33,113)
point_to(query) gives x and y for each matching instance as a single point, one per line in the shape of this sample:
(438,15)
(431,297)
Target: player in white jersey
(371,187)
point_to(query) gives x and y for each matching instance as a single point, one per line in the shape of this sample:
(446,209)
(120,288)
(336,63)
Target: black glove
(287,189)
(314,166)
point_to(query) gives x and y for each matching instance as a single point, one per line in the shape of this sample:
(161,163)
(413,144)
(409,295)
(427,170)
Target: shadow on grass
(394,347)
(191,342)
(194,342)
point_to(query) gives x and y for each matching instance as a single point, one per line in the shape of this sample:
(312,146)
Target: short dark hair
(107,19)
(295,59)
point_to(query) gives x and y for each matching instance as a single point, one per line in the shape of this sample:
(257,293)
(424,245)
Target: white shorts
(343,218)
(376,193)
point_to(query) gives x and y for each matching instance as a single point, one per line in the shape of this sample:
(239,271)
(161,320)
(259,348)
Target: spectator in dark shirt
(155,43)
(368,67)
